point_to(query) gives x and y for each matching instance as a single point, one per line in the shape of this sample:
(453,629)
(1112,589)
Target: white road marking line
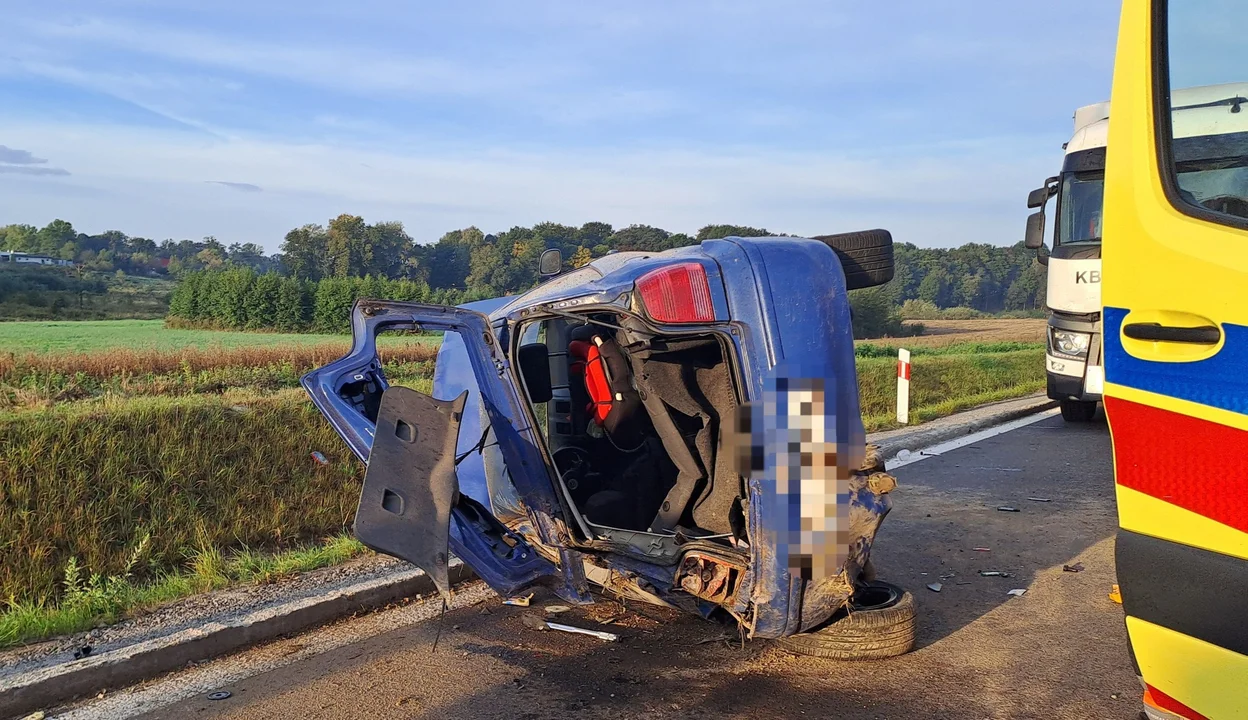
(942,448)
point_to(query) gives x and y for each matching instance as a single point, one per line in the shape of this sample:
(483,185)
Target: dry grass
(33,380)
(199,473)
(937,333)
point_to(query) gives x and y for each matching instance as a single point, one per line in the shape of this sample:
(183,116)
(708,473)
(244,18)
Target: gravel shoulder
(196,611)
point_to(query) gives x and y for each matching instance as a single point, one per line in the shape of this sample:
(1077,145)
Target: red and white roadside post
(903,386)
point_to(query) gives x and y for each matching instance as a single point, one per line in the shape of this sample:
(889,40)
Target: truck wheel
(866,256)
(1078,411)
(878,624)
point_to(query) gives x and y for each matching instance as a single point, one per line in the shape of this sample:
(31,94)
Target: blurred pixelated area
(792,439)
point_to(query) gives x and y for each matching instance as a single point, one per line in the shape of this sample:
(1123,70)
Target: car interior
(637,424)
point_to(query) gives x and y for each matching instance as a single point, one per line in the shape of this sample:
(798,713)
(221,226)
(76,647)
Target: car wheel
(866,256)
(878,624)
(1079,411)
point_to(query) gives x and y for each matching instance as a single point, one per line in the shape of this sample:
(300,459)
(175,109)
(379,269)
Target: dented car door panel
(349,392)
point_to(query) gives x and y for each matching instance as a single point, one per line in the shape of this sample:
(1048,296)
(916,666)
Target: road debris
(82,652)
(1008,508)
(995,573)
(1017,592)
(536,623)
(319,457)
(981,549)
(219,695)
(1115,595)
(1077,567)
(1040,499)
(519,600)
(934,587)
(556,609)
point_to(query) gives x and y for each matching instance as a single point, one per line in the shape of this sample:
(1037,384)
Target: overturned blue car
(679,427)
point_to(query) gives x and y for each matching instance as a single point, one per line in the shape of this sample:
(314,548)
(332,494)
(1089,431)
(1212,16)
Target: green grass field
(95,335)
(140,463)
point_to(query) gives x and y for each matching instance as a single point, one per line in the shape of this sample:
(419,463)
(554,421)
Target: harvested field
(948,332)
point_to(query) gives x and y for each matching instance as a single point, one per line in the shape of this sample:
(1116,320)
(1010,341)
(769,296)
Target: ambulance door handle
(1156,332)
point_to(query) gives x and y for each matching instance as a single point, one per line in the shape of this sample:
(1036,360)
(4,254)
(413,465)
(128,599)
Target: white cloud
(150,183)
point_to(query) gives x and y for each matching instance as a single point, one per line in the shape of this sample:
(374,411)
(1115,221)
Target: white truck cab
(1073,359)
(1074,370)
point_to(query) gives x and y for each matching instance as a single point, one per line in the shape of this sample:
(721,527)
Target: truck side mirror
(1034,239)
(1038,197)
(550,263)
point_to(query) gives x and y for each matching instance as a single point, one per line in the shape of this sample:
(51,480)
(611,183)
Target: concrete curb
(49,686)
(954,426)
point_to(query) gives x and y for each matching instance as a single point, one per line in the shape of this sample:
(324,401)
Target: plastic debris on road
(1017,592)
(934,587)
(995,573)
(219,695)
(1008,508)
(1077,567)
(537,623)
(1040,499)
(519,601)
(981,549)
(1115,595)
(556,609)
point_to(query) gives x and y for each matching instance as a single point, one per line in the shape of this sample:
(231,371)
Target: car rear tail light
(677,294)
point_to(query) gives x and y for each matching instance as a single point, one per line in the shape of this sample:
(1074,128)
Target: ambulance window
(1202,90)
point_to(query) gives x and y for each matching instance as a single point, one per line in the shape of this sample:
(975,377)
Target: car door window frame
(1163,125)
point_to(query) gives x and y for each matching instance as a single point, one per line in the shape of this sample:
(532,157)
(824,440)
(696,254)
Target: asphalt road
(1057,652)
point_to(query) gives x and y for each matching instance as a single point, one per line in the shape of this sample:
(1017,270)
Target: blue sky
(245,119)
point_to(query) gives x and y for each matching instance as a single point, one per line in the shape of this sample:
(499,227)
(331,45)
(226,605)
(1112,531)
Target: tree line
(114,251)
(470,264)
(242,299)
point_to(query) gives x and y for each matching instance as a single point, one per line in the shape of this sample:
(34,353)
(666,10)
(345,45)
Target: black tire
(866,256)
(878,624)
(1078,411)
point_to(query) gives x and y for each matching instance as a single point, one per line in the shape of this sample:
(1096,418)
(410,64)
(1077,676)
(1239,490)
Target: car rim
(874,597)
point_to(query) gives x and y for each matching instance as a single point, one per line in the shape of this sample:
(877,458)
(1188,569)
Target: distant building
(21,257)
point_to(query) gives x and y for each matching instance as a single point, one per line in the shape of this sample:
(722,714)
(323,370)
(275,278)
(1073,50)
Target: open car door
(410,505)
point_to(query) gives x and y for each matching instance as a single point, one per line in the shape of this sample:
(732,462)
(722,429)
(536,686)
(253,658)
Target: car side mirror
(1034,239)
(550,263)
(534,361)
(1038,197)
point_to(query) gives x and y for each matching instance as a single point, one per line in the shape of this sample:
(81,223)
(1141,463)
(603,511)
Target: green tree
(19,238)
(182,299)
(260,304)
(640,237)
(305,252)
(53,237)
(332,305)
(294,305)
(581,257)
(593,233)
(712,232)
(350,251)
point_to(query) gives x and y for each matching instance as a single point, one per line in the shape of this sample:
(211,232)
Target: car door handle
(1156,332)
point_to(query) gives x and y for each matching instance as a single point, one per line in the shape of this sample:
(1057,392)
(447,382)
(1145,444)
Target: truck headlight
(1071,343)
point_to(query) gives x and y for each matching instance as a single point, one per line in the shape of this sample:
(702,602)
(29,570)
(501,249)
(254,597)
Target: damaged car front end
(679,427)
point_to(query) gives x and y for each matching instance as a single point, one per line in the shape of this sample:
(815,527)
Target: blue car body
(780,307)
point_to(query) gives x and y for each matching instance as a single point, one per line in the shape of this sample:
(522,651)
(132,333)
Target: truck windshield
(1081,202)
